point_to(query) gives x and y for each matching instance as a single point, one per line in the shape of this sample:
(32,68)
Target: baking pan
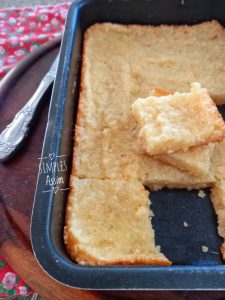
(193,268)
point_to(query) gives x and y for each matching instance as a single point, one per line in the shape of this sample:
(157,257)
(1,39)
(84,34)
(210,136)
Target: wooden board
(17,187)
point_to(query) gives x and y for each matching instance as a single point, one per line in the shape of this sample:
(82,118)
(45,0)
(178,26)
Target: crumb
(182,2)
(201,194)
(185,224)
(205,249)
(214,252)
(57,261)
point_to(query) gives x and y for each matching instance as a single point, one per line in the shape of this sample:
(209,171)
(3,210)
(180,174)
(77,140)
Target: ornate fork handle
(14,133)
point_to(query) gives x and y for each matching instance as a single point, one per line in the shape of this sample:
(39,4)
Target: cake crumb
(201,194)
(205,249)
(185,224)
(214,252)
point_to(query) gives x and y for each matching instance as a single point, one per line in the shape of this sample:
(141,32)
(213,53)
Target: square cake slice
(178,121)
(105,77)
(87,156)
(108,222)
(196,161)
(157,175)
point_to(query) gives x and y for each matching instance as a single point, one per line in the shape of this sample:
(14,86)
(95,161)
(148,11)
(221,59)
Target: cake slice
(106,42)
(87,156)
(196,160)
(157,175)
(218,190)
(108,222)
(105,80)
(178,122)
(121,150)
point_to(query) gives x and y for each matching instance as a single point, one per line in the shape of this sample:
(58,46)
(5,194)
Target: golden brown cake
(107,200)
(130,63)
(196,160)
(172,57)
(119,155)
(178,121)
(108,222)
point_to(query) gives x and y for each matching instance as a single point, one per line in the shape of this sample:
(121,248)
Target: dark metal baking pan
(192,269)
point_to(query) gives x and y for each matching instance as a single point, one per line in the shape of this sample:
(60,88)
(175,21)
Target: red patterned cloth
(21,32)
(10,283)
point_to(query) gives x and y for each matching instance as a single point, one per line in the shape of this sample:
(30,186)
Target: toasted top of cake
(105,80)
(172,57)
(196,160)
(178,121)
(108,222)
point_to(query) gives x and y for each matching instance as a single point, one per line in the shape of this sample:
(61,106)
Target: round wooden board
(17,186)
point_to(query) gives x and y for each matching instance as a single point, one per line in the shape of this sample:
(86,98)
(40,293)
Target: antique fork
(14,133)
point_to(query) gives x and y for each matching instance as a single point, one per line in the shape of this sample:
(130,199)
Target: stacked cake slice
(180,128)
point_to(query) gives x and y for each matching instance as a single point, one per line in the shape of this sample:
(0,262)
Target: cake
(108,213)
(178,121)
(108,222)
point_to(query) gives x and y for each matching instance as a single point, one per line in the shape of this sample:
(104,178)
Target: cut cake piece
(172,57)
(108,222)
(196,160)
(218,190)
(106,42)
(105,80)
(178,122)
(157,175)
(87,156)
(120,149)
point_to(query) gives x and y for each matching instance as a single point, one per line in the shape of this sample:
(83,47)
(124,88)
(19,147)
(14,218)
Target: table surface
(17,187)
